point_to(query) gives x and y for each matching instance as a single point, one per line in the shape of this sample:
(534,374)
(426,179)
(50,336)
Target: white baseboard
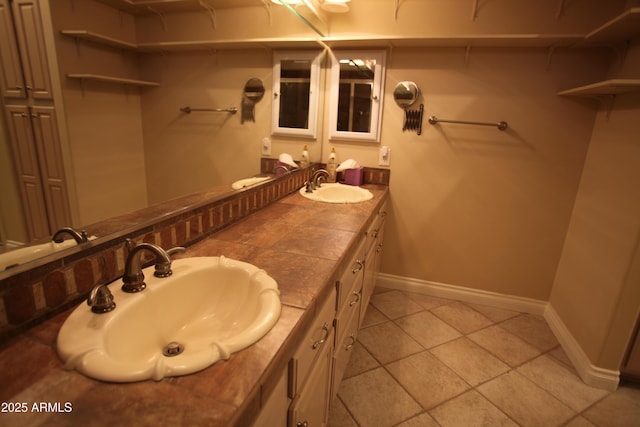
(590,374)
(474,296)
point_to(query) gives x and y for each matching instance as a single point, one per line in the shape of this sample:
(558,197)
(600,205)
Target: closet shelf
(482,40)
(623,27)
(99,38)
(606,87)
(175,6)
(109,79)
(227,44)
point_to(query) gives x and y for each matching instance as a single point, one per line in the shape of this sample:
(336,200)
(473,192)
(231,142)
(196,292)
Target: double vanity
(323,257)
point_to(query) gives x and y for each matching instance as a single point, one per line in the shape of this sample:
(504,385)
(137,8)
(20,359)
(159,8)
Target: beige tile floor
(426,361)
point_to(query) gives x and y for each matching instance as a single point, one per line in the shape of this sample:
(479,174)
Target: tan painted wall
(470,206)
(103,119)
(473,206)
(596,289)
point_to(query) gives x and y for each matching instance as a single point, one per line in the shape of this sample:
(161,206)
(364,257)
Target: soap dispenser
(304,159)
(332,165)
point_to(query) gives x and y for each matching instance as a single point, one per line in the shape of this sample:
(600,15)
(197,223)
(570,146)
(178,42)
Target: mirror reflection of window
(356,95)
(295,86)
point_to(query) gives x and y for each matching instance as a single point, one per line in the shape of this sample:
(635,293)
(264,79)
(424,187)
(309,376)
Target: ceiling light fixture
(334,6)
(292,2)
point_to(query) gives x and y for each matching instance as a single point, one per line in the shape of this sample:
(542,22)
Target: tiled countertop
(300,243)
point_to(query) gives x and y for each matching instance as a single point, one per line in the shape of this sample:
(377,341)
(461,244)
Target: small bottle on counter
(304,159)
(332,165)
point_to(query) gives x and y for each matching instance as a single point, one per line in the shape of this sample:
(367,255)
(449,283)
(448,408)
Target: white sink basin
(247,182)
(19,256)
(338,193)
(212,306)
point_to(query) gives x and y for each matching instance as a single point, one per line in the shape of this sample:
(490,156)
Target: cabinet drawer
(372,233)
(316,338)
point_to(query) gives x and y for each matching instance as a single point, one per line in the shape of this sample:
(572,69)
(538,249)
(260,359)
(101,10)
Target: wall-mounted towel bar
(231,110)
(500,125)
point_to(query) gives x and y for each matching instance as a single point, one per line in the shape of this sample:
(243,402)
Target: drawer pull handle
(374,234)
(325,328)
(356,300)
(302,424)
(379,248)
(351,344)
(358,267)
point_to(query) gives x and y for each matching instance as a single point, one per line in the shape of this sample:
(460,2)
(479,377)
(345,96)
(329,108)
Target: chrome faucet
(317,176)
(133,277)
(80,237)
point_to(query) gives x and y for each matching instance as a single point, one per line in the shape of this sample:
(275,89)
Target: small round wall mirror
(253,92)
(406,93)
(254,89)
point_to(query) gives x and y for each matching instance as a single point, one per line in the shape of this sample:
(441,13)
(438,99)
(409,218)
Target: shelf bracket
(77,43)
(610,101)
(398,4)
(161,16)
(560,9)
(467,53)
(474,10)
(267,6)
(211,11)
(552,50)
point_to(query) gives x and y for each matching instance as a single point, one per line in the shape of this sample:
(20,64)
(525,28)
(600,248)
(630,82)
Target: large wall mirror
(296,86)
(357,91)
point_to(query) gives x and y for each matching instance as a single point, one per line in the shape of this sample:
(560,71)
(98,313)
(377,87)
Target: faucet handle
(176,250)
(163,269)
(101,300)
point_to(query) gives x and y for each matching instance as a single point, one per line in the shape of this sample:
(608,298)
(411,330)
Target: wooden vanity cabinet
(372,256)
(349,288)
(310,369)
(320,361)
(274,409)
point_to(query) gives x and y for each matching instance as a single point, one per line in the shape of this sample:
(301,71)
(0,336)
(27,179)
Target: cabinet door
(33,51)
(347,322)
(28,172)
(274,411)
(313,343)
(51,166)
(10,70)
(371,269)
(311,407)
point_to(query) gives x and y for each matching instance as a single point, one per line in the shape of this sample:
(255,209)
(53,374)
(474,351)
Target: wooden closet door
(33,52)
(25,159)
(11,81)
(51,167)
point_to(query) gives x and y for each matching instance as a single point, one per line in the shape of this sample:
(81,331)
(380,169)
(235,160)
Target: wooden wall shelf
(99,38)
(109,79)
(606,87)
(621,28)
